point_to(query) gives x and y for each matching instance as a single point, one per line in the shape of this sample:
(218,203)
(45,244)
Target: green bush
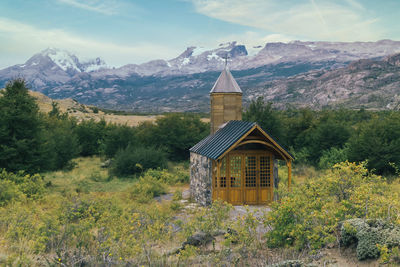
(118,137)
(332,156)
(133,160)
(146,188)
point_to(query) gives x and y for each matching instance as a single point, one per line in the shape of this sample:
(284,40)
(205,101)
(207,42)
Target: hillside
(370,84)
(85,112)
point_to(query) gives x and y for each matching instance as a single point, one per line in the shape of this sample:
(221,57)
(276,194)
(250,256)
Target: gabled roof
(226,83)
(215,145)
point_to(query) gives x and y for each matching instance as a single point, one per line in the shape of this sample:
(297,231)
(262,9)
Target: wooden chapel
(237,162)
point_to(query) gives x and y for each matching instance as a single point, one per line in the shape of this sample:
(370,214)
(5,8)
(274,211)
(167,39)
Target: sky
(136,31)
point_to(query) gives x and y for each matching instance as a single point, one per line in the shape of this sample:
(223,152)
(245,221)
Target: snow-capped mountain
(182,83)
(199,59)
(50,67)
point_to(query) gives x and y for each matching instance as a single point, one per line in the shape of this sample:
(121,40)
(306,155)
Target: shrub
(168,177)
(372,237)
(133,160)
(146,188)
(309,215)
(15,186)
(332,156)
(8,192)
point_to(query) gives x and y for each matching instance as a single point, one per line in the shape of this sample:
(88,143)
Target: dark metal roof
(216,144)
(226,83)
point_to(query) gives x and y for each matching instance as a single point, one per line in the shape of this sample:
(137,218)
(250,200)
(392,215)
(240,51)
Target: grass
(87,176)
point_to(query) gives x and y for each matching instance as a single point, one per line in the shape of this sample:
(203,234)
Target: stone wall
(200,179)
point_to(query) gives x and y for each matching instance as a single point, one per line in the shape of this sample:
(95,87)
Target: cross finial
(226,60)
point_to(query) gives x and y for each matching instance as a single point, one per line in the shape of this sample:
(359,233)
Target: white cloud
(108,7)
(19,41)
(308,20)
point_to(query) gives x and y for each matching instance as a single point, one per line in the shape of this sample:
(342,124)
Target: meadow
(88,193)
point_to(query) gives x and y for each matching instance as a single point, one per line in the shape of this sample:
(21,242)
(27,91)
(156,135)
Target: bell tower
(226,100)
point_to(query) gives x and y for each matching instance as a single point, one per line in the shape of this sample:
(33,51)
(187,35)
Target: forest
(78,193)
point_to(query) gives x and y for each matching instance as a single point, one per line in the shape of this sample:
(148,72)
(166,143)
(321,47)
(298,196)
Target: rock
(198,239)
(289,263)
(186,194)
(106,164)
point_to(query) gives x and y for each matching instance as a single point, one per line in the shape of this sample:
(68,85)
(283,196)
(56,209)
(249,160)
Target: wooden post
(289,164)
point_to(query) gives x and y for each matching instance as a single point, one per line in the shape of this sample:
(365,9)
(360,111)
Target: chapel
(238,161)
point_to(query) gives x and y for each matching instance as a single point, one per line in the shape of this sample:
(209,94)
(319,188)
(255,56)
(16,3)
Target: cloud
(19,41)
(344,20)
(108,7)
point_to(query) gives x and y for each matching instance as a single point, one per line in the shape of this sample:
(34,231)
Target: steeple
(226,83)
(226,100)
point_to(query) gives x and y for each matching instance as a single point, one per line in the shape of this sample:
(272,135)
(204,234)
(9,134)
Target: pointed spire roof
(226,83)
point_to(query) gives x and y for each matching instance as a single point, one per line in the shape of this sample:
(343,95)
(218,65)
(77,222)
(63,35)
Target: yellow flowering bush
(309,216)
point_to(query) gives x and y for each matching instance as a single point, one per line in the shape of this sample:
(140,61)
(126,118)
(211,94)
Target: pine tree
(21,142)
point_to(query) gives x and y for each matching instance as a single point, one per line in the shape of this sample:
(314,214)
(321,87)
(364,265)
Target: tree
(118,137)
(174,133)
(378,141)
(265,116)
(91,137)
(21,133)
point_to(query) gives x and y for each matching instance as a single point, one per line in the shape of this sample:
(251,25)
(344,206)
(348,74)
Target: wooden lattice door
(250,180)
(244,178)
(265,192)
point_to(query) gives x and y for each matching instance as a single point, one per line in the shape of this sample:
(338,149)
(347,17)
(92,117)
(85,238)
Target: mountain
(51,67)
(183,83)
(366,83)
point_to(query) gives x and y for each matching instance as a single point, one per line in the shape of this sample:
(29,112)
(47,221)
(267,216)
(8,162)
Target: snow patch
(63,59)
(185,61)
(198,51)
(253,50)
(95,67)
(214,56)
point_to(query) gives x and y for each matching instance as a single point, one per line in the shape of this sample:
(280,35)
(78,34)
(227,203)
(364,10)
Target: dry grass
(84,112)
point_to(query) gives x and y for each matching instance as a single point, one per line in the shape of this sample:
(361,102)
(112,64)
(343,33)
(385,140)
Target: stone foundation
(200,179)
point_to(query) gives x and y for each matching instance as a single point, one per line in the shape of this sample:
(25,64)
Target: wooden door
(244,178)
(235,179)
(220,181)
(250,179)
(265,193)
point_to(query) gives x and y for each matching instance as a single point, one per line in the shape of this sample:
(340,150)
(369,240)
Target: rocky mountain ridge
(366,83)
(183,83)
